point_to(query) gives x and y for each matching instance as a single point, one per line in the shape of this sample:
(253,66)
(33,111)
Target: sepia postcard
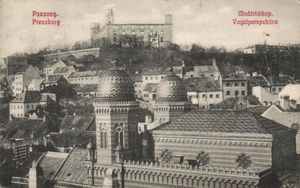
(150,93)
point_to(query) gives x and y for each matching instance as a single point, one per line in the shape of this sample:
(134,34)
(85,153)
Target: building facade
(155,35)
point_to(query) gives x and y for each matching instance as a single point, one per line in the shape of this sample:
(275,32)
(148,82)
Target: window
(227,84)
(244,161)
(243,83)
(210,95)
(236,84)
(227,92)
(217,96)
(146,78)
(203,96)
(243,92)
(236,93)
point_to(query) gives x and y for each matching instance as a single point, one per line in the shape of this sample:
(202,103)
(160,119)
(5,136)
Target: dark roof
(150,87)
(257,81)
(202,85)
(74,170)
(272,127)
(225,121)
(51,163)
(53,78)
(281,80)
(73,138)
(23,128)
(78,122)
(60,70)
(28,97)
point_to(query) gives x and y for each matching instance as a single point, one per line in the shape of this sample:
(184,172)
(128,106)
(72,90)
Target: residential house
(234,83)
(28,101)
(55,80)
(23,79)
(203,93)
(203,71)
(256,80)
(138,85)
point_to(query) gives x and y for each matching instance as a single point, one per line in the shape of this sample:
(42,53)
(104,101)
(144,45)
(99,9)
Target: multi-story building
(23,79)
(126,35)
(65,71)
(203,93)
(234,84)
(28,101)
(84,77)
(202,148)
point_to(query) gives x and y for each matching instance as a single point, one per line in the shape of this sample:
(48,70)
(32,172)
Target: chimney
(286,102)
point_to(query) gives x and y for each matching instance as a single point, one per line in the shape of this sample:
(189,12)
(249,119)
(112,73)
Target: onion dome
(116,85)
(171,88)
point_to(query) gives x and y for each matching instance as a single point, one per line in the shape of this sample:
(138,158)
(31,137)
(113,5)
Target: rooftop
(78,122)
(151,87)
(74,170)
(220,121)
(60,70)
(202,85)
(73,138)
(85,74)
(28,97)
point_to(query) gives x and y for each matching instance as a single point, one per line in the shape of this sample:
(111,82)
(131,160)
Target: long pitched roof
(220,121)
(28,97)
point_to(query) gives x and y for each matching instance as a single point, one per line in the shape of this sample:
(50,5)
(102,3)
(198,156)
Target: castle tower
(171,99)
(109,16)
(116,120)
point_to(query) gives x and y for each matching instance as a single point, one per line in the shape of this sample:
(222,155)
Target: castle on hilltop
(133,34)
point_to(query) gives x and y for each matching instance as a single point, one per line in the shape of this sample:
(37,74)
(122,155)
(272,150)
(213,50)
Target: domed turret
(115,84)
(171,88)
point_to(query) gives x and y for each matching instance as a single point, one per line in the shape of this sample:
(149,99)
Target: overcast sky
(206,22)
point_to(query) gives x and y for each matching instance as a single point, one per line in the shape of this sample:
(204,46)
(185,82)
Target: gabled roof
(28,97)
(270,126)
(220,121)
(46,99)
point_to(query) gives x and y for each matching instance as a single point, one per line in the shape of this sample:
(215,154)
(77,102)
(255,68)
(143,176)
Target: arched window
(119,135)
(105,140)
(101,139)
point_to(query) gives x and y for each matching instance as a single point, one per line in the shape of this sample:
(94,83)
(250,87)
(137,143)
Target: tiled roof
(28,97)
(150,87)
(202,85)
(73,170)
(271,126)
(225,121)
(78,122)
(281,80)
(51,163)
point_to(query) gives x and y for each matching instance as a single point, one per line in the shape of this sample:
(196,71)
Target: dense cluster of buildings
(209,126)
